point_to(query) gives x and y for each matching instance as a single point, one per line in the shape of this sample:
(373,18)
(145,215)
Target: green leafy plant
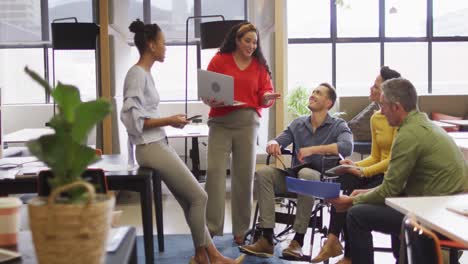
(66,152)
(297,101)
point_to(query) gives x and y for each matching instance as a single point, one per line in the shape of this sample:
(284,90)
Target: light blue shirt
(141,100)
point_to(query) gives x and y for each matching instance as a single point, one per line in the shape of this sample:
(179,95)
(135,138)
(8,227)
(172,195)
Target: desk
(431,212)
(443,124)
(462,143)
(138,180)
(456,122)
(24,135)
(193,132)
(126,253)
(458,135)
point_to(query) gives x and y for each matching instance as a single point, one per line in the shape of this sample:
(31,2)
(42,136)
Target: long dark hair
(237,32)
(143,34)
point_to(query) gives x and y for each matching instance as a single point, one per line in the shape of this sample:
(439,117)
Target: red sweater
(250,84)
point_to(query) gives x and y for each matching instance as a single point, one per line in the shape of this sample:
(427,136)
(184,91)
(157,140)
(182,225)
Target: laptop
(218,86)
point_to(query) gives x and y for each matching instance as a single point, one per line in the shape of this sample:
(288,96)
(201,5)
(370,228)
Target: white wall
(16,117)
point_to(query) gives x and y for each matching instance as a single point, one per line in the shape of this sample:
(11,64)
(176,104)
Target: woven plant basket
(70,233)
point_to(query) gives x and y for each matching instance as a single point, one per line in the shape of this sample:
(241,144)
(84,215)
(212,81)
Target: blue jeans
(361,220)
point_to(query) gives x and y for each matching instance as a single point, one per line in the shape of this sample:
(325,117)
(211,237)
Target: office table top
(456,122)
(432,212)
(443,124)
(26,134)
(459,135)
(188,131)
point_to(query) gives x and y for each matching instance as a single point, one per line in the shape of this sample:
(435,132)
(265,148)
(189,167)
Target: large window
(25,40)
(347,42)
(172,16)
(317,66)
(17,87)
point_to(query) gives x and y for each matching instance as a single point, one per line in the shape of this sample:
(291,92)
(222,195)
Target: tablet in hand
(337,170)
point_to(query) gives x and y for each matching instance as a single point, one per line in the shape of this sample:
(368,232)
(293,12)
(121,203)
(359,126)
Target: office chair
(422,245)
(287,201)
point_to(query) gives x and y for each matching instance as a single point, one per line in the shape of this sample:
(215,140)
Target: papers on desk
(15,162)
(115,237)
(18,167)
(337,170)
(324,190)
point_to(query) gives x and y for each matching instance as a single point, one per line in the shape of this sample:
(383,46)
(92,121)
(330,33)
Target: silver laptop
(216,85)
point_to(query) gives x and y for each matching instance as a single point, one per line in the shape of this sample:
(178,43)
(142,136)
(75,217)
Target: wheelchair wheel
(248,239)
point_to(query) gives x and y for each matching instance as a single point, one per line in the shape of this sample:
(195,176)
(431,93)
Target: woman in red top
(233,129)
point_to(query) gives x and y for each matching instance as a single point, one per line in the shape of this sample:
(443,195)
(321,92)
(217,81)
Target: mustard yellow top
(382,139)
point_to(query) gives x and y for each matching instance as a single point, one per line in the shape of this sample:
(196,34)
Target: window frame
(192,42)
(381,39)
(46,42)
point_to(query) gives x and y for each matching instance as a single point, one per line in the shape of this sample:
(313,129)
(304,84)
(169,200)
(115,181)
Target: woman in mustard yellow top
(366,174)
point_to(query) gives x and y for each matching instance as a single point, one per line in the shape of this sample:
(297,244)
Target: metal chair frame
(316,220)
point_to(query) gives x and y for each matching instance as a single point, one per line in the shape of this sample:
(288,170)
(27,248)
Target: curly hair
(237,32)
(144,33)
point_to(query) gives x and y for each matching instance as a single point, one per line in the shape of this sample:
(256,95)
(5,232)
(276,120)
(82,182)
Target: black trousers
(361,220)
(349,183)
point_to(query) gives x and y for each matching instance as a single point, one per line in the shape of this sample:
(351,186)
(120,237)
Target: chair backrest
(422,245)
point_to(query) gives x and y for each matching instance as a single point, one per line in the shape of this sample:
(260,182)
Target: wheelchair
(287,216)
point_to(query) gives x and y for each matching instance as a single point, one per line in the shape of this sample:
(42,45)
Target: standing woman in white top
(144,125)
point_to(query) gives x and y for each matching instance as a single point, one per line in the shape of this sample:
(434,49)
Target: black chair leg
(254,229)
(453,256)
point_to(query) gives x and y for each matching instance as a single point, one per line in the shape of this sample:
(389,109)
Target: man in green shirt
(425,161)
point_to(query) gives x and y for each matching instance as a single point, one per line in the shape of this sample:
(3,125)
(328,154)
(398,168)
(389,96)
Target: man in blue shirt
(312,136)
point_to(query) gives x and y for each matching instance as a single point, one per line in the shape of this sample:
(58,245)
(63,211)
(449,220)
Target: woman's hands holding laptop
(212,102)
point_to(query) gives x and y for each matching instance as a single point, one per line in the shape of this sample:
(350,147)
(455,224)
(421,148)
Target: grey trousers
(233,134)
(271,181)
(183,185)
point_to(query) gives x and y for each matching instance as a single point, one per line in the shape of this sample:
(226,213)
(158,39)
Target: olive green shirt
(425,161)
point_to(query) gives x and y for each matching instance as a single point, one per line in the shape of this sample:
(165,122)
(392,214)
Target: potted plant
(73,227)
(298,101)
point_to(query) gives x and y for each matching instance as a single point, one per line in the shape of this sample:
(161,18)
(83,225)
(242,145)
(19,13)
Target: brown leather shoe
(294,250)
(331,249)
(262,248)
(344,260)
